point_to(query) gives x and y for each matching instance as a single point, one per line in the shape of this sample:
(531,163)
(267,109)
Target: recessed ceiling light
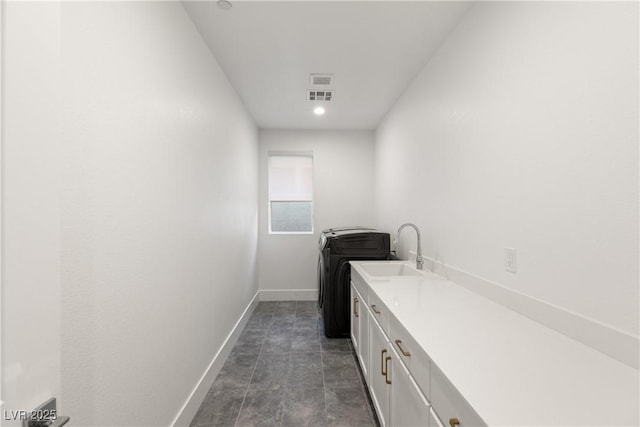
(319,111)
(224,4)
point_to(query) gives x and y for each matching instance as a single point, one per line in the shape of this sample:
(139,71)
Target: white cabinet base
(407,407)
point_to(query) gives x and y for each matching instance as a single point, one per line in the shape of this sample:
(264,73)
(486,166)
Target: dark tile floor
(283,371)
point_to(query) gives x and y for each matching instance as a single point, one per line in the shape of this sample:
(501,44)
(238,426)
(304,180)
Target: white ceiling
(374,49)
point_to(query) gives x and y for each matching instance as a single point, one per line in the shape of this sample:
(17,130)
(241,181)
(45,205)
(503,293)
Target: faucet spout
(419,260)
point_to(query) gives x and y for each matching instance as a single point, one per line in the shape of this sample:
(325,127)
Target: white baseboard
(190,407)
(288,295)
(618,344)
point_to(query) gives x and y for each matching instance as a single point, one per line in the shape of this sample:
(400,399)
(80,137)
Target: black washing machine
(338,246)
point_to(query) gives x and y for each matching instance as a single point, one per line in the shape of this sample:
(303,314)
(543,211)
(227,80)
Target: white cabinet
(363,353)
(397,398)
(360,330)
(379,375)
(470,359)
(406,388)
(355,318)
(408,407)
(379,312)
(412,355)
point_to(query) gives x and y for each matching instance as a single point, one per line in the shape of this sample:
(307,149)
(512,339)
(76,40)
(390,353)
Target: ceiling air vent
(319,95)
(322,79)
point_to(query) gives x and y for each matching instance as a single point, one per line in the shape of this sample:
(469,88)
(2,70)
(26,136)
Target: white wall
(343,195)
(31,207)
(159,225)
(522,131)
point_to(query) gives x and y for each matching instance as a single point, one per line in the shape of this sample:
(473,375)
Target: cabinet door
(408,406)
(363,350)
(379,376)
(356,307)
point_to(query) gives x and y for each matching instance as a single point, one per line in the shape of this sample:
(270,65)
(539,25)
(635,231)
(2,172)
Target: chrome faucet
(419,260)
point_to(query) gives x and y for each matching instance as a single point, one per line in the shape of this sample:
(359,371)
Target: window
(290,194)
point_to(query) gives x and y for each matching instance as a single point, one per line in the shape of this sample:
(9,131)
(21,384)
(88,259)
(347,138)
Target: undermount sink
(390,269)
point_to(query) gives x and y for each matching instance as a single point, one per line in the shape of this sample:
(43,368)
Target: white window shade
(291,178)
(290,194)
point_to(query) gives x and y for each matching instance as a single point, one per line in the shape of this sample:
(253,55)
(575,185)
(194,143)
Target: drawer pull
(402,350)
(355,307)
(374,308)
(453,422)
(382,353)
(386,378)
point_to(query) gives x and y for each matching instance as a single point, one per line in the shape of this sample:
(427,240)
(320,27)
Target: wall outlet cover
(510,260)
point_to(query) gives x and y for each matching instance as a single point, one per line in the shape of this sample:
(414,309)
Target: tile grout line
(244,398)
(286,384)
(324,384)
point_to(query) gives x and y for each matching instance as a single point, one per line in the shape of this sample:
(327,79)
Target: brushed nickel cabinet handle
(374,308)
(386,362)
(355,307)
(453,422)
(402,350)
(382,353)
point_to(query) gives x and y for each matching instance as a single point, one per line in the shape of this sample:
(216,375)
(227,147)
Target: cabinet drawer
(360,285)
(379,312)
(411,354)
(449,404)
(355,318)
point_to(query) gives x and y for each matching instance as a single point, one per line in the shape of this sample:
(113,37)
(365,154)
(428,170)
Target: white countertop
(512,371)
